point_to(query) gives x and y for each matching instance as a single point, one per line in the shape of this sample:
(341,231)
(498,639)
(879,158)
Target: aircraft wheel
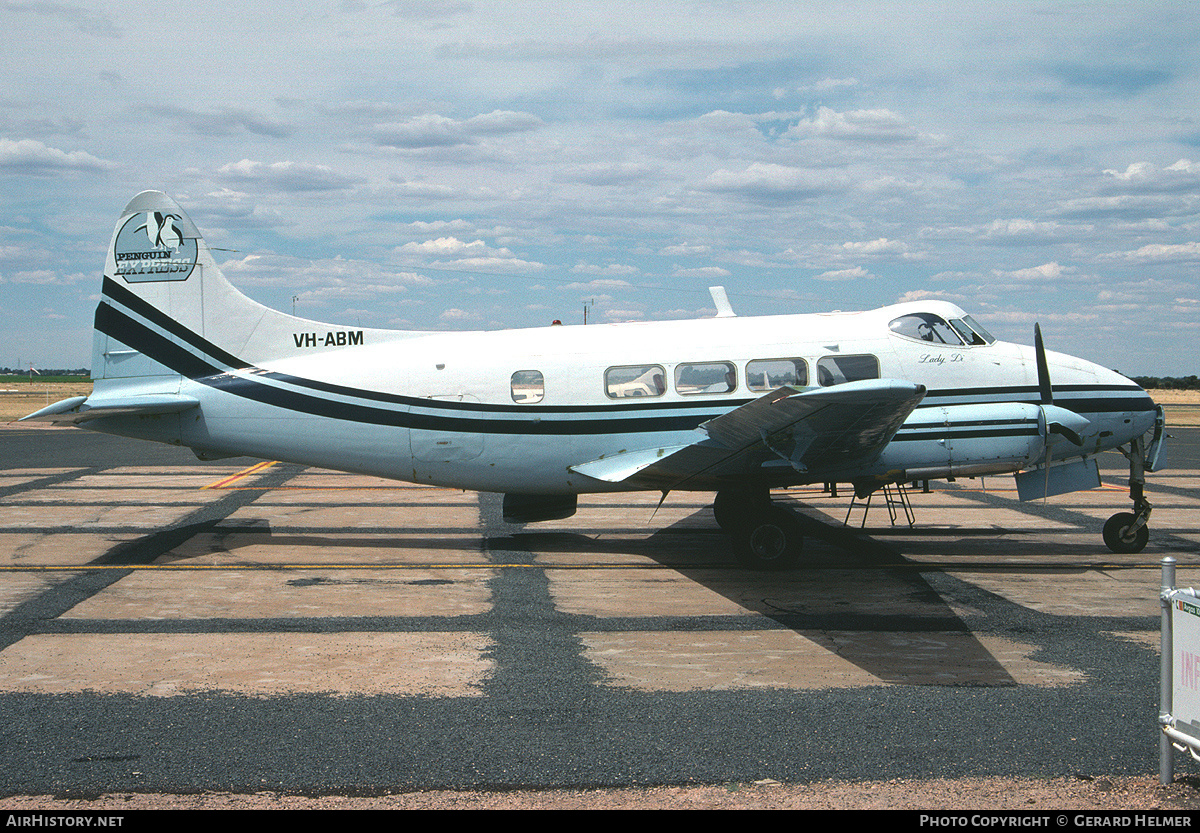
(1117,535)
(770,539)
(732,507)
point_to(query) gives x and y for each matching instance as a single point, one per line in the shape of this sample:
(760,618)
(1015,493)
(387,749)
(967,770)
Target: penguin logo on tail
(161,230)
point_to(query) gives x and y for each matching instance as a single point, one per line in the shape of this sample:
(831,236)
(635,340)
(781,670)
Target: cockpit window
(987,337)
(925,326)
(966,333)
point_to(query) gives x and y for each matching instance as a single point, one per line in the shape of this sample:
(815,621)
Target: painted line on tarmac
(246,472)
(915,566)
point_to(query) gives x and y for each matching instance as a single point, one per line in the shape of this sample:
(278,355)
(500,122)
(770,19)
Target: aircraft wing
(815,432)
(79,409)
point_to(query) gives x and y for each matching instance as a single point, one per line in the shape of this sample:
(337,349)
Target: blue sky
(458,164)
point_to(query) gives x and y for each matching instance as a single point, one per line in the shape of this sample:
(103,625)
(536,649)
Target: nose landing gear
(1127,532)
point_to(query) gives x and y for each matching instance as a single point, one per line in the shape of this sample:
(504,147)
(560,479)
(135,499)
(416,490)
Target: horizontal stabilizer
(79,409)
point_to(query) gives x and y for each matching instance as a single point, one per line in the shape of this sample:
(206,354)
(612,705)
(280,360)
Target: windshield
(925,326)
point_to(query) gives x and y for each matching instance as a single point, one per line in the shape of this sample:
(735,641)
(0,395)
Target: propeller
(1060,421)
(1043,369)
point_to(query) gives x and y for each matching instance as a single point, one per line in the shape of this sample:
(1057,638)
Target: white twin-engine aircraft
(730,405)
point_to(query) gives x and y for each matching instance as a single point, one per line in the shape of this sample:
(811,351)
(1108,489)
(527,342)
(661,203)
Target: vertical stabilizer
(158,270)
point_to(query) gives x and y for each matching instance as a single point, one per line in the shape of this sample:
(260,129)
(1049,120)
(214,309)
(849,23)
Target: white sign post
(1179,689)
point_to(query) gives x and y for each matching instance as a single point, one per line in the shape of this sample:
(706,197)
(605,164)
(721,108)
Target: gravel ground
(972,794)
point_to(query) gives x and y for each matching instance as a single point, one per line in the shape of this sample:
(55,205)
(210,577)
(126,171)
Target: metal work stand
(895,495)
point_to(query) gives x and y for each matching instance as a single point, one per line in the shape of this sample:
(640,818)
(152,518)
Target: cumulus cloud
(706,272)
(420,189)
(879,125)
(853,274)
(323,279)
(1159,253)
(768,181)
(1020,230)
(604,174)
(226,121)
(1145,177)
(452,253)
(610,269)
(287,176)
(425,131)
(685,249)
(881,246)
(1125,206)
(431,130)
(33,157)
(502,121)
(1045,272)
(449,247)
(597,285)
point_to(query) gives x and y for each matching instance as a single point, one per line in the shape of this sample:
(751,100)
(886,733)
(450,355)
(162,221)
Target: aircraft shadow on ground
(853,596)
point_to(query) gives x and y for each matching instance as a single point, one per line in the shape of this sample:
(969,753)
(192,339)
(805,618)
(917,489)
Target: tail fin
(162,289)
(167,311)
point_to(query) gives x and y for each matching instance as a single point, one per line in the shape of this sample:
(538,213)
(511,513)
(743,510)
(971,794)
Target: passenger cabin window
(528,386)
(837,370)
(707,377)
(639,380)
(925,326)
(769,374)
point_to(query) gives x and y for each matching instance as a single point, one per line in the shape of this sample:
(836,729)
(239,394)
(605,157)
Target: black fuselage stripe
(155,316)
(951,433)
(133,333)
(164,322)
(113,322)
(209,371)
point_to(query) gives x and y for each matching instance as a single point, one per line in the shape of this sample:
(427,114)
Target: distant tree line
(45,371)
(1168,382)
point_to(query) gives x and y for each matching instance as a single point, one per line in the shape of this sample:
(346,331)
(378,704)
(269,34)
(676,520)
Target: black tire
(1118,538)
(771,538)
(733,507)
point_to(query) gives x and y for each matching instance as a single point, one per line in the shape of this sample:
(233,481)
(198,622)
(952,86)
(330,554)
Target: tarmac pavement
(168,625)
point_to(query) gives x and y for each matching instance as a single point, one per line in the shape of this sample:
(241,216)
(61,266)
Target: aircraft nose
(1132,403)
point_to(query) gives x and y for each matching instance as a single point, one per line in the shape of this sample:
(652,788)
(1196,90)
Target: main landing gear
(765,536)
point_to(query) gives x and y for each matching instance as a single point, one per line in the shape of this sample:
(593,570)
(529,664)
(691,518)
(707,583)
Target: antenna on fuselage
(721,300)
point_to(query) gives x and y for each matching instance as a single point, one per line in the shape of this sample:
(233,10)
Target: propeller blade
(1063,423)
(1043,370)
(1064,431)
